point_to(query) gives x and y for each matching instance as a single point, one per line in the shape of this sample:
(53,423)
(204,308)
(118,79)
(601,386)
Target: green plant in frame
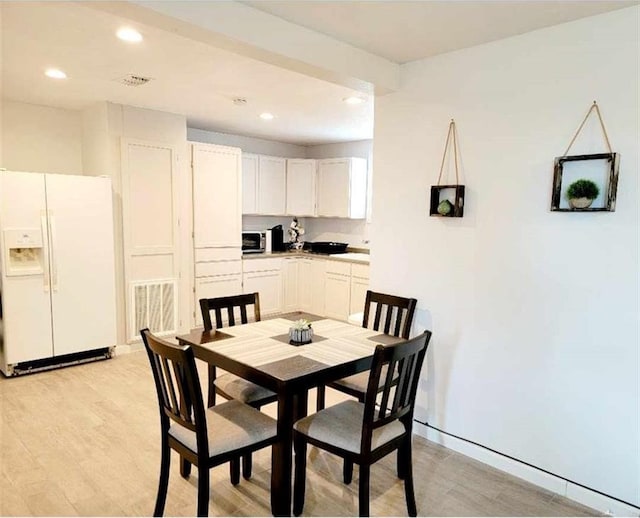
(583,189)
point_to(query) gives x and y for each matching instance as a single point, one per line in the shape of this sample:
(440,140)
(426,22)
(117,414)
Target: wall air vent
(133,80)
(153,306)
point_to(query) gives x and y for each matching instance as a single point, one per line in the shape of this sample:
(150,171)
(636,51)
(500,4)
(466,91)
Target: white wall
(534,313)
(41,138)
(248,144)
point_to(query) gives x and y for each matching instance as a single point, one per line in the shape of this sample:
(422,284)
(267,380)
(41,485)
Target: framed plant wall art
(586,183)
(448,200)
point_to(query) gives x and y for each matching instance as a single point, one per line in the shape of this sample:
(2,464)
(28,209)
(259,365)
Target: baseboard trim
(128,348)
(583,495)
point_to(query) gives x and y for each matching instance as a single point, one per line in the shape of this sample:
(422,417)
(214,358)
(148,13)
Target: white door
(249,184)
(217,286)
(272,185)
(82,263)
(333,188)
(26,301)
(301,187)
(217,202)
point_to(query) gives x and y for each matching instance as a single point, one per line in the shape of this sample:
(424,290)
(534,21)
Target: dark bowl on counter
(325,247)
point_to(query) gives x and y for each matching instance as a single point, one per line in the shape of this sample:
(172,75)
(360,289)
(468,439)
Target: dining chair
(371,430)
(390,314)
(227,385)
(205,438)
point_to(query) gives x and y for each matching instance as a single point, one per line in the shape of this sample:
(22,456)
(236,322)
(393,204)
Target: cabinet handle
(45,249)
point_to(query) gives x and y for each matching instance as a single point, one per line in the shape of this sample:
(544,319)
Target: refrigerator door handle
(54,266)
(45,249)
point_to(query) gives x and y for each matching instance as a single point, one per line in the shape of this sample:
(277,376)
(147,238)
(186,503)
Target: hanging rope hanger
(451,132)
(593,107)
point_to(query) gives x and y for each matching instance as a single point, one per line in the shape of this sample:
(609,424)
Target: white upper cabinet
(272,185)
(301,187)
(342,188)
(249,183)
(217,201)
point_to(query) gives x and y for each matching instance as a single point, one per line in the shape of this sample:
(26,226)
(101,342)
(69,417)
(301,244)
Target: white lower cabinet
(290,280)
(218,273)
(323,287)
(218,286)
(337,290)
(359,287)
(311,285)
(265,277)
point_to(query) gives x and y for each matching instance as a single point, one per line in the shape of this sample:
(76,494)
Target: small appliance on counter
(254,241)
(277,239)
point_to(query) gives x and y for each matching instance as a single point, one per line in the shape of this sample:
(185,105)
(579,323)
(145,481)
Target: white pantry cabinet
(265,277)
(217,202)
(342,188)
(301,187)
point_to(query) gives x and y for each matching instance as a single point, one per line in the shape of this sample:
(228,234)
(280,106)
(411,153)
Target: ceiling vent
(133,80)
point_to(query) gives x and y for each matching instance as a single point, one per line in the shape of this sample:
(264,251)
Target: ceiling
(200,81)
(403,31)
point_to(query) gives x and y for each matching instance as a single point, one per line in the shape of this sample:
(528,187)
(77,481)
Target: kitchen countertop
(349,257)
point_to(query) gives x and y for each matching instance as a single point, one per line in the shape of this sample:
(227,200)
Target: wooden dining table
(260,352)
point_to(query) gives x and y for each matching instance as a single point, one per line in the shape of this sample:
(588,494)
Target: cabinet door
(272,186)
(333,188)
(305,285)
(269,286)
(218,286)
(301,187)
(359,289)
(318,287)
(290,270)
(337,296)
(249,184)
(217,210)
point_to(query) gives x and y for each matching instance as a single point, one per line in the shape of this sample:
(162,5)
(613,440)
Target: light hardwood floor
(84,441)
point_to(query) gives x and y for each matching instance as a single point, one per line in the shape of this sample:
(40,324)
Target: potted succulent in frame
(581,193)
(300,332)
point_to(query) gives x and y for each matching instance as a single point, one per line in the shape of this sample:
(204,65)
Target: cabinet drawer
(361,271)
(217,254)
(218,268)
(339,267)
(261,265)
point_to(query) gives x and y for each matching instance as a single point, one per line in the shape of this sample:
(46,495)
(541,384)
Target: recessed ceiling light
(129,35)
(266,116)
(55,73)
(353,100)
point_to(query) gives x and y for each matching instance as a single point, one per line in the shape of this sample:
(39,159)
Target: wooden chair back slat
(177,384)
(403,308)
(404,362)
(229,305)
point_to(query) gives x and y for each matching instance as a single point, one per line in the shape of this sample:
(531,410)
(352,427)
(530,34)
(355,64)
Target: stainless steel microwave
(254,241)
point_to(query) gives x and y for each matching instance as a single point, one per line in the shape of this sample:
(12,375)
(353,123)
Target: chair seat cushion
(241,389)
(341,425)
(358,382)
(230,426)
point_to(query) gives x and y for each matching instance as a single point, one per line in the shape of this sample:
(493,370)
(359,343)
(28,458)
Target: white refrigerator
(57,262)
